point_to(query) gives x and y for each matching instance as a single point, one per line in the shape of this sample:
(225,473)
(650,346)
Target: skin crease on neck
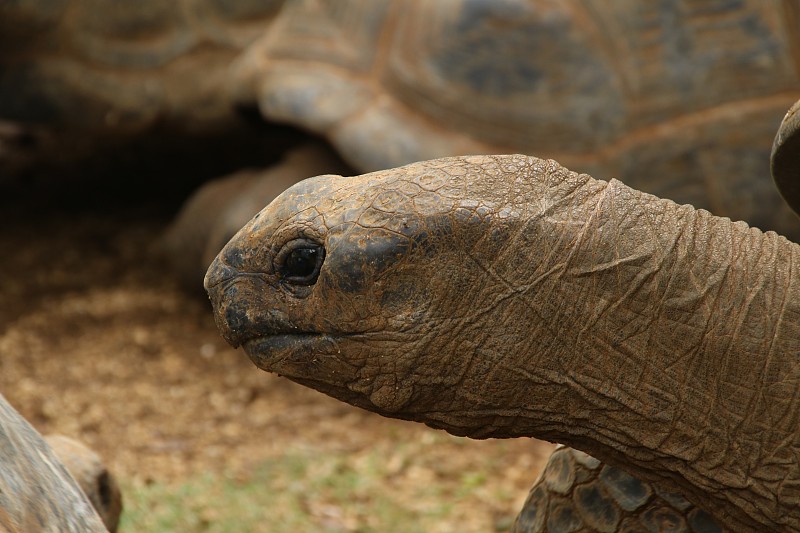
(505,296)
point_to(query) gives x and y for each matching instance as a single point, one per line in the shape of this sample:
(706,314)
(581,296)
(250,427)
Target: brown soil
(98,342)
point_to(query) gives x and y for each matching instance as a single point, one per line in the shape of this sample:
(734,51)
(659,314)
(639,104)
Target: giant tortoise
(678,99)
(366,96)
(506,296)
(95,79)
(112,67)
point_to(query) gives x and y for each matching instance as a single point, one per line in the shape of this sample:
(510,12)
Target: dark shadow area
(158,169)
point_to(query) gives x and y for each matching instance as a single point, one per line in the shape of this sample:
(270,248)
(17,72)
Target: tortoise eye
(299,262)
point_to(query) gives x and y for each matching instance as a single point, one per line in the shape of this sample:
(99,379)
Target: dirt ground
(98,342)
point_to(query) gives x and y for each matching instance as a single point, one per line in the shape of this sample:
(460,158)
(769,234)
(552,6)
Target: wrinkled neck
(655,336)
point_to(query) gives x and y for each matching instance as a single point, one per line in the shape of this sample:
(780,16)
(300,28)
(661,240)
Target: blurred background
(136,137)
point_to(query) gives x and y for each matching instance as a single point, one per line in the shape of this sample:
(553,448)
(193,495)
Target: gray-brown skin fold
(505,296)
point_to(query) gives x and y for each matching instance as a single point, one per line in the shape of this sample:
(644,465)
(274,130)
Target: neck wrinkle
(669,342)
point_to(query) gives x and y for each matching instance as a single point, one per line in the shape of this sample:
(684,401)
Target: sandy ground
(98,342)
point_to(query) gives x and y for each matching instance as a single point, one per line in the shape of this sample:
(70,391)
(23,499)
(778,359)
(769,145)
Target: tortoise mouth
(279,351)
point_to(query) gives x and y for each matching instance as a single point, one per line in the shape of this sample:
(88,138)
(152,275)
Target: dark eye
(300,261)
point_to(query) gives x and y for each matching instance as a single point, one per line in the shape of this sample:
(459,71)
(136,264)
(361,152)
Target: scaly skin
(579,494)
(505,296)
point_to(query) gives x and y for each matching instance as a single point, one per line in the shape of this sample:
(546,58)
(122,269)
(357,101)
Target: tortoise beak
(218,272)
(241,303)
(220,283)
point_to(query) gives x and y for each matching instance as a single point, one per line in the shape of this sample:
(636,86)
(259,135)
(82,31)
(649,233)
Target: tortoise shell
(680,100)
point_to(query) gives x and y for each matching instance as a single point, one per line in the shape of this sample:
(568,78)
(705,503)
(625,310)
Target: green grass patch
(303,492)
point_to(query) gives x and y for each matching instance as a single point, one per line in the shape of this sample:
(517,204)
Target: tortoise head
(369,288)
(785,159)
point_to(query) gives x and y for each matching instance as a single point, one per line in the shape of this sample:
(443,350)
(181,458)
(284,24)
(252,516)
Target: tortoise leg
(785,158)
(578,493)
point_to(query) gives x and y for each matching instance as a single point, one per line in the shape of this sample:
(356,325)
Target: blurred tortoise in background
(677,99)
(117,67)
(38,489)
(674,98)
(506,296)
(82,77)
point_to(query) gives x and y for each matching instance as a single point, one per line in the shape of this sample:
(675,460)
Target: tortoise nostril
(234,311)
(218,272)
